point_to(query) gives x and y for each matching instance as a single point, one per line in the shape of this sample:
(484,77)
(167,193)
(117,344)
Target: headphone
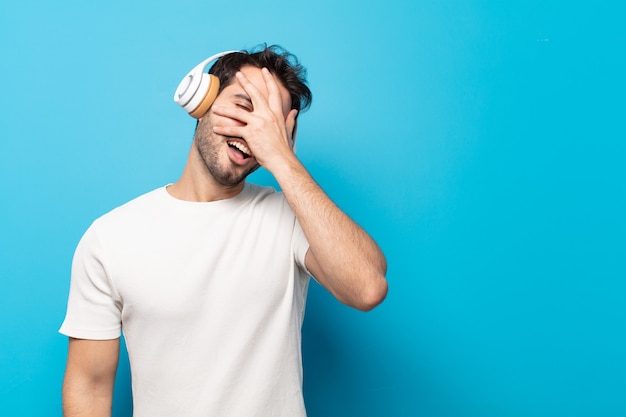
(197,91)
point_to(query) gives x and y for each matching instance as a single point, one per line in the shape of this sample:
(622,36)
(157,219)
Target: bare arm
(342,256)
(89,377)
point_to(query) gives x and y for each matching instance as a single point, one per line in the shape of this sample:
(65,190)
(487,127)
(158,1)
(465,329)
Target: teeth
(243,148)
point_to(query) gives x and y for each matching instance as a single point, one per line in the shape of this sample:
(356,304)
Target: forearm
(346,259)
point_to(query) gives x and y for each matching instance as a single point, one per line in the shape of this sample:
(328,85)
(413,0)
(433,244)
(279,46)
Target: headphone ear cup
(204,97)
(197,91)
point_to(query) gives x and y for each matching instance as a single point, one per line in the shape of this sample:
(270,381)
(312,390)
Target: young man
(207,277)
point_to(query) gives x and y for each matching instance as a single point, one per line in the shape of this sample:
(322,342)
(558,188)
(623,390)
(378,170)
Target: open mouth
(241,148)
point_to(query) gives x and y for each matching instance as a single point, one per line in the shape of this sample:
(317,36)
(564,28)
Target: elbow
(373,294)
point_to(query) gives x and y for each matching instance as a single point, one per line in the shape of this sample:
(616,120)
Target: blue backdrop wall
(482,143)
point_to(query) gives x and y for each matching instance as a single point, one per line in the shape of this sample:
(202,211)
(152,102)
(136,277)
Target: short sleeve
(94,307)
(300,246)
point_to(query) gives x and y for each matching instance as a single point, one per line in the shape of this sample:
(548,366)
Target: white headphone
(197,91)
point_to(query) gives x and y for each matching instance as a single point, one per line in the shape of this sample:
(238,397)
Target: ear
(291,123)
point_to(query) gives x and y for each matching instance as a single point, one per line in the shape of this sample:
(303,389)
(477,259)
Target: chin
(234,178)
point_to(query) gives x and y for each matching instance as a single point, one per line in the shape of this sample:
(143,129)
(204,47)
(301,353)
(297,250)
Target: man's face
(228,158)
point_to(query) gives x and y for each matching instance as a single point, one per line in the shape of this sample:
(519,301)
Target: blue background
(482,143)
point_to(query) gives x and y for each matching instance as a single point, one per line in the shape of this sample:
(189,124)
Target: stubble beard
(228,174)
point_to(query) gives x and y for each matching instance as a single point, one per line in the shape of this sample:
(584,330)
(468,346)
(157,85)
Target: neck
(198,184)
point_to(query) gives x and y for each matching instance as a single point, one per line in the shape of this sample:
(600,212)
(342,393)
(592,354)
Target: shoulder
(265,196)
(132,211)
(269,206)
(259,192)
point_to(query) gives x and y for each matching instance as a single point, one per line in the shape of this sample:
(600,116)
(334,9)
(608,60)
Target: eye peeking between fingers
(244,102)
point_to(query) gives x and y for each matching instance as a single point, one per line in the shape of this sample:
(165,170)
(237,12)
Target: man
(207,277)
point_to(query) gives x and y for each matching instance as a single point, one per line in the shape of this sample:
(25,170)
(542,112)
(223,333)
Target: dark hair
(278,61)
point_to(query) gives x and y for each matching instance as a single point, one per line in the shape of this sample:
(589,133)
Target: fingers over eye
(249,87)
(221,110)
(234,113)
(233,131)
(275,100)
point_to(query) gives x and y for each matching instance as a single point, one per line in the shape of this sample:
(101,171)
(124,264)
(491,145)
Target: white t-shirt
(210,297)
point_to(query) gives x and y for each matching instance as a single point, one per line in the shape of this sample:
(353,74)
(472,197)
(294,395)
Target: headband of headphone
(197,91)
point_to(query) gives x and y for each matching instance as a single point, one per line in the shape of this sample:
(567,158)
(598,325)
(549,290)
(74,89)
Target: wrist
(284,168)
